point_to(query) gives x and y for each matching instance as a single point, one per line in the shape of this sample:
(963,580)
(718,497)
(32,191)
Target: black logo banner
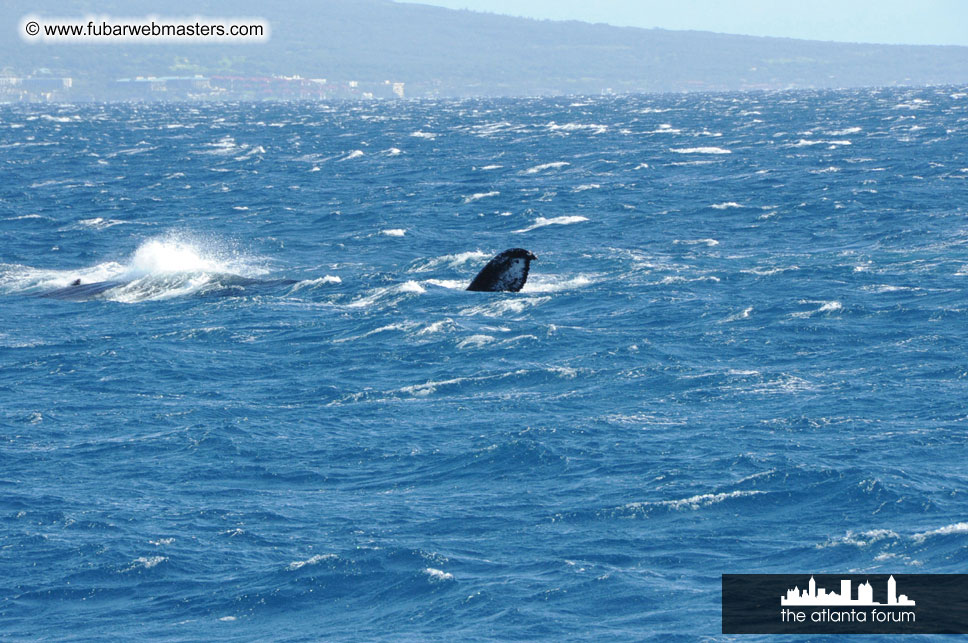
(845,603)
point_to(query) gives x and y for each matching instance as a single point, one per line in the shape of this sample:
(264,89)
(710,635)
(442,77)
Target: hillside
(438,51)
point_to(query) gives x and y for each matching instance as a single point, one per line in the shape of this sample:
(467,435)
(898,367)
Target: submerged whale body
(506,272)
(225,286)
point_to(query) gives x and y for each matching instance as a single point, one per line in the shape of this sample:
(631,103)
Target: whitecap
(475,341)
(501,307)
(454,261)
(825,307)
(541,222)
(695,242)
(480,195)
(546,166)
(146,562)
(100,223)
(319,281)
(438,575)
(436,327)
(576,127)
(744,314)
(955,528)
(846,131)
(860,539)
(318,558)
(695,502)
(409,287)
(700,150)
(556,284)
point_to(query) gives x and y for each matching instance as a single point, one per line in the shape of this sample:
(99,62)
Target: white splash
(161,267)
(438,575)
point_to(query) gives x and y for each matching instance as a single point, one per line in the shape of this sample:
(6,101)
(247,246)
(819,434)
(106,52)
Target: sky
(912,22)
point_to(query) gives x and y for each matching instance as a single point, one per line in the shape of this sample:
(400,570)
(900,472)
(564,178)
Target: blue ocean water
(743,349)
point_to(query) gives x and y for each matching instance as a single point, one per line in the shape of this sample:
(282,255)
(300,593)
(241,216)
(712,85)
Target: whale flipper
(507,271)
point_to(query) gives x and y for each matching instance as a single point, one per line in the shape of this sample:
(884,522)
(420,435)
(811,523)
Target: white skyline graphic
(813,595)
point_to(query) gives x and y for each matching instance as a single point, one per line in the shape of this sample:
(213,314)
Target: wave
(826,307)
(541,222)
(594,128)
(744,314)
(845,131)
(502,307)
(387,292)
(692,503)
(313,560)
(320,281)
(804,142)
(546,166)
(556,284)
(480,195)
(452,261)
(696,242)
(700,150)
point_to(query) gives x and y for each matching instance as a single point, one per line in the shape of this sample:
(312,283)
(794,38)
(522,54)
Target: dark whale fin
(506,272)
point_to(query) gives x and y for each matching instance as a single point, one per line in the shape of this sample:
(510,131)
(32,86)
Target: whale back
(507,272)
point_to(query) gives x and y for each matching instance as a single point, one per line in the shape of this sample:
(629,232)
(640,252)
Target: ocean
(743,349)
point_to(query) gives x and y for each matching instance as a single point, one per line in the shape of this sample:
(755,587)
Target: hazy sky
(922,22)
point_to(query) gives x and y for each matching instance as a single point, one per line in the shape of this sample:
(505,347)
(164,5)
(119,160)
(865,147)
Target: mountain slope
(453,53)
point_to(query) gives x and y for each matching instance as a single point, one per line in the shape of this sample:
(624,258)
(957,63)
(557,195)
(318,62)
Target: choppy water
(742,349)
